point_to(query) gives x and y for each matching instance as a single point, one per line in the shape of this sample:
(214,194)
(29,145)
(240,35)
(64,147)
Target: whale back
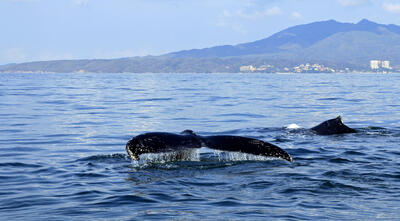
(332,126)
(188,132)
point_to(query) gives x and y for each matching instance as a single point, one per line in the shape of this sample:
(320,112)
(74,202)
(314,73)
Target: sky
(34,30)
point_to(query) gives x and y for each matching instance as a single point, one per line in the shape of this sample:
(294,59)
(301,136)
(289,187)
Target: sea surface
(63,136)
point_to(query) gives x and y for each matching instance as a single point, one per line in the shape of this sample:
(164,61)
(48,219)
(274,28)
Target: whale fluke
(246,145)
(333,126)
(160,142)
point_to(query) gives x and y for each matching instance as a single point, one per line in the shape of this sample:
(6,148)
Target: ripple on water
(123,200)
(19,165)
(63,147)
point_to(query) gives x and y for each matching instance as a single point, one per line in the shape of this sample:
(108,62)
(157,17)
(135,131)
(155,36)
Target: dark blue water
(63,136)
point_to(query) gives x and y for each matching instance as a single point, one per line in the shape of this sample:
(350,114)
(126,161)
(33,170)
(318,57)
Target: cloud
(226,13)
(390,7)
(235,19)
(235,27)
(297,15)
(273,11)
(239,28)
(352,3)
(252,14)
(255,14)
(81,2)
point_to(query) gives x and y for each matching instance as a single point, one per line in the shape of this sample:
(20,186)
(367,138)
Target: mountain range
(331,43)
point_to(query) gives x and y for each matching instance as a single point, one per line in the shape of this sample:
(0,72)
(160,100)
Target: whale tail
(245,145)
(333,126)
(160,142)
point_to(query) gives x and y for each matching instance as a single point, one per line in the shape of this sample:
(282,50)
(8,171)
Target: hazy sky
(34,30)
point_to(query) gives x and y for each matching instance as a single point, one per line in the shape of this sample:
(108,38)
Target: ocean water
(63,136)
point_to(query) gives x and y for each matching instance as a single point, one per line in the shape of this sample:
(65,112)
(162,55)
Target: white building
(375,64)
(386,64)
(248,68)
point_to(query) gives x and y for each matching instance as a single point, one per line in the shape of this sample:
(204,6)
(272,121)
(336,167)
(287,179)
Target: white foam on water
(293,126)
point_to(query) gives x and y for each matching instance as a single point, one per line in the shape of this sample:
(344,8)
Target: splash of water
(194,156)
(153,158)
(224,156)
(293,126)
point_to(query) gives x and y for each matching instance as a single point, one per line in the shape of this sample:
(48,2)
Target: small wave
(90,175)
(354,153)
(269,129)
(122,200)
(354,100)
(152,99)
(304,151)
(330,185)
(259,185)
(339,160)
(340,173)
(247,115)
(104,157)
(18,164)
(372,130)
(228,203)
(330,99)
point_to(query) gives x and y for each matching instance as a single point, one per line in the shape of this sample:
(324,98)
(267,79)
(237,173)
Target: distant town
(210,65)
(363,47)
(378,66)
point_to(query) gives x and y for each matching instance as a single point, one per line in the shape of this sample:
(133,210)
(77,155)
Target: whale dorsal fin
(333,126)
(188,132)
